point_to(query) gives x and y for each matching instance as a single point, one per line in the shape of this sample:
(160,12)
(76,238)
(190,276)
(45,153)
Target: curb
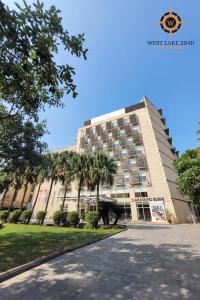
(21,269)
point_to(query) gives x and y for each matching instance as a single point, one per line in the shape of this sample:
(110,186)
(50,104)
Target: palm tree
(30,176)
(81,172)
(67,172)
(17,184)
(102,172)
(53,171)
(5,182)
(40,175)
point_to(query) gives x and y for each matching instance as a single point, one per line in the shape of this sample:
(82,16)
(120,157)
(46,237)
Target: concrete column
(134,217)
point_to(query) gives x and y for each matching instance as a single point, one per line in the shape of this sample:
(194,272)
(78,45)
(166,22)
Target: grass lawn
(20,243)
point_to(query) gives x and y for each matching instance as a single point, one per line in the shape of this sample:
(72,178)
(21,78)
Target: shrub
(26,215)
(88,226)
(4,215)
(169,215)
(81,225)
(73,218)
(59,217)
(14,216)
(40,216)
(1,224)
(92,217)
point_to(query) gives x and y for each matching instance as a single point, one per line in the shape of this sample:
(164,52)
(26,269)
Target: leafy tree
(31,38)
(5,182)
(187,167)
(20,142)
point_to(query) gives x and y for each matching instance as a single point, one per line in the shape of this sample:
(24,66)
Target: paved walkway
(146,262)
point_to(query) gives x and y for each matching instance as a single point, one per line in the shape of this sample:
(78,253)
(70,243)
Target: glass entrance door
(143,211)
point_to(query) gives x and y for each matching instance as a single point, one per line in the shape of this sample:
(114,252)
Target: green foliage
(40,216)
(92,217)
(1,224)
(31,37)
(4,215)
(26,215)
(187,167)
(88,226)
(14,216)
(73,218)
(59,217)
(169,215)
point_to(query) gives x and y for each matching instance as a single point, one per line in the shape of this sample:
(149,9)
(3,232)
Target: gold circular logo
(170,22)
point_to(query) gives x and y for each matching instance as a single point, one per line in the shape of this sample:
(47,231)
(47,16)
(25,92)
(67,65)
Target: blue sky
(121,67)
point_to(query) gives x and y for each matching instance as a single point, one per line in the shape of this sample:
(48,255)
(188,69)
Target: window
(122,131)
(126,176)
(141,194)
(114,124)
(103,127)
(88,140)
(118,163)
(110,154)
(109,135)
(124,152)
(142,176)
(104,145)
(134,129)
(138,149)
(93,148)
(116,142)
(93,130)
(98,137)
(126,120)
(129,140)
(132,162)
(120,195)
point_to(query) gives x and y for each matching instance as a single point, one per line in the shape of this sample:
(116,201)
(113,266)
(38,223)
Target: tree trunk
(13,198)
(4,197)
(36,198)
(79,195)
(97,204)
(51,185)
(65,193)
(24,195)
(116,220)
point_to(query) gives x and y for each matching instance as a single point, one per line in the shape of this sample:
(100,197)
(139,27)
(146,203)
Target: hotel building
(145,183)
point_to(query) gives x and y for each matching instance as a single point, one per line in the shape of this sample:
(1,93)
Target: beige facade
(17,203)
(137,138)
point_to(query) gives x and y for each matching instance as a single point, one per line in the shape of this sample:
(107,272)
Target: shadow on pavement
(115,268)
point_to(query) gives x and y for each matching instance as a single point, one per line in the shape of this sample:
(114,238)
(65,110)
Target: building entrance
(143,211)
